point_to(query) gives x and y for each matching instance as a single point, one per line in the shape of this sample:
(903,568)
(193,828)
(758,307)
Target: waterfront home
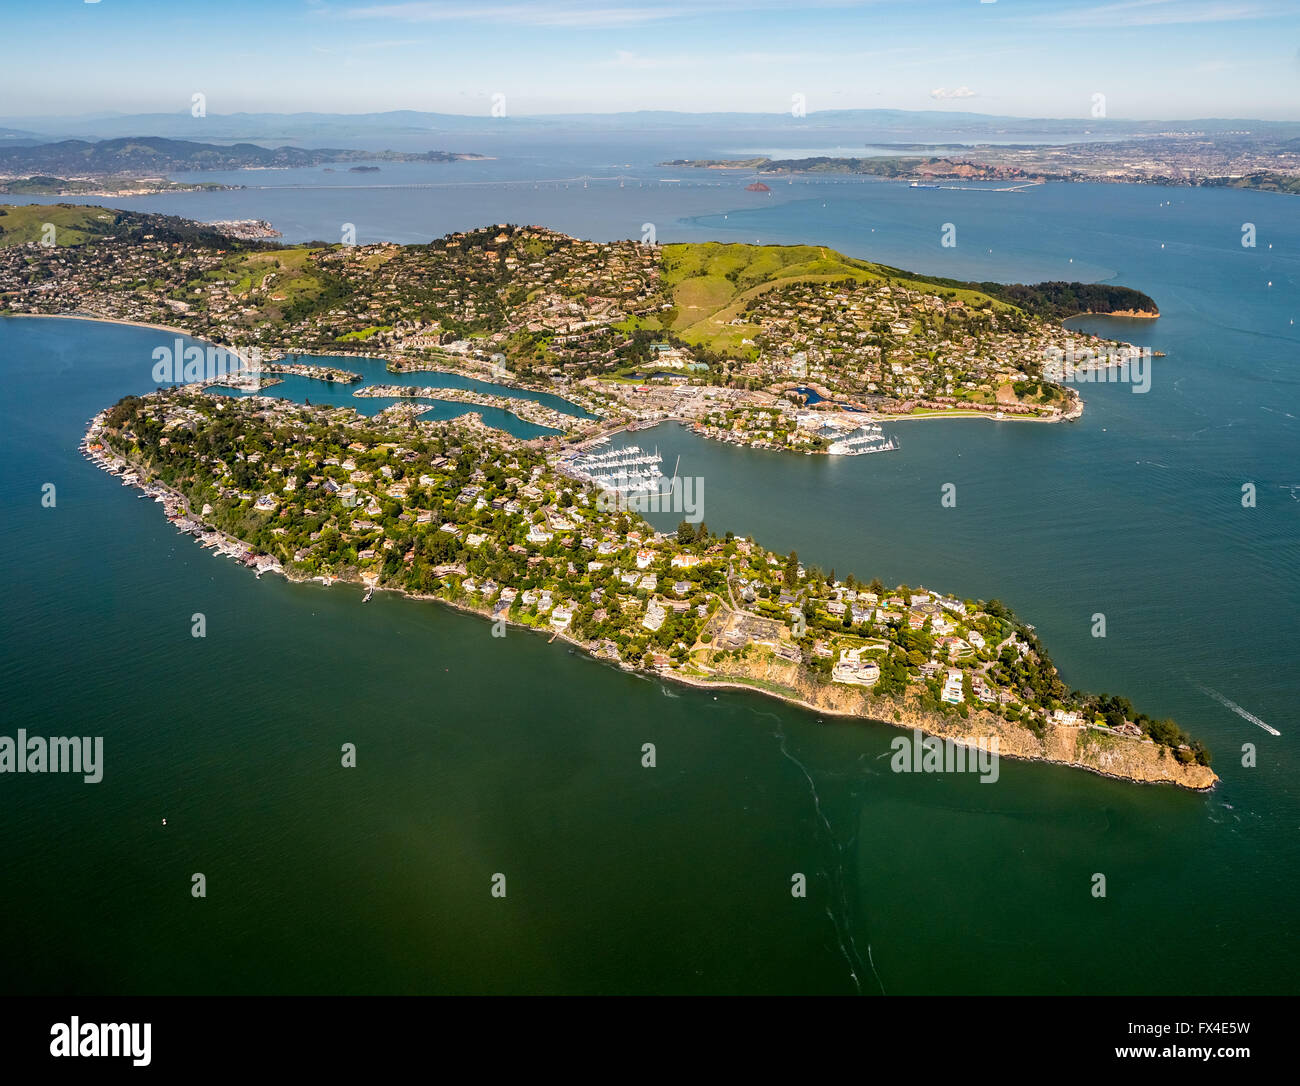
(654,616)
(850,668)
(952,687)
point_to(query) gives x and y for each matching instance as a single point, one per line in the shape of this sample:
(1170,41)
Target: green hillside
(73,223)
(709,284)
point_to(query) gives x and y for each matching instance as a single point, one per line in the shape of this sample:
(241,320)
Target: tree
(685,533)
(792,570)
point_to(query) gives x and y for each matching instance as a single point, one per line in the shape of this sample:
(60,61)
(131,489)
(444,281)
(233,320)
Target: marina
(865,439)
(626,470)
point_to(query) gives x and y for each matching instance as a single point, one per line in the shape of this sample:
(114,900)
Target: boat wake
(1229,704)
(841,922)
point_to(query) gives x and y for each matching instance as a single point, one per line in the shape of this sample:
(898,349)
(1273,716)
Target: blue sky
(1150,58)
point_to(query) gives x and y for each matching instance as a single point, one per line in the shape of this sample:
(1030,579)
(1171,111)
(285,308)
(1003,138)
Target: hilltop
(80,224)
(711,284)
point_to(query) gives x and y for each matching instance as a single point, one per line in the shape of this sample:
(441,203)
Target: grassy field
(710,283)
(73,223)
(286,273)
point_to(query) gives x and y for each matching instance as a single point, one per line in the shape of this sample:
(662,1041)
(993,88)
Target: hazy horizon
(1174,60)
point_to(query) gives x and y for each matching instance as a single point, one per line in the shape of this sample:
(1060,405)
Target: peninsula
(141,164)
(461,513)
(1265,161)
(466,514)
(781,347)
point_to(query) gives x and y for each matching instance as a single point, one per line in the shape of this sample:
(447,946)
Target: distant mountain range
(867,124)
(139,156)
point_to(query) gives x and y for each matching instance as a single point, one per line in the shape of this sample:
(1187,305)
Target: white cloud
(944,93)
(573,14)
(628,60)
(1167,13)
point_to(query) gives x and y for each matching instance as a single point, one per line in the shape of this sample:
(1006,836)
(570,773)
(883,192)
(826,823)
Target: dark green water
(479,755)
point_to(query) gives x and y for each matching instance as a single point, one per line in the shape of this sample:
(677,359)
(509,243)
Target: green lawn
(73,223)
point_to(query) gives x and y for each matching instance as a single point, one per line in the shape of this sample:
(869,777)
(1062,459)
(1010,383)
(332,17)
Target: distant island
(1269,163)
(129,165)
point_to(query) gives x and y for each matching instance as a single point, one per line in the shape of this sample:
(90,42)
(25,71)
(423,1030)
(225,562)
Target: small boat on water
(366,598)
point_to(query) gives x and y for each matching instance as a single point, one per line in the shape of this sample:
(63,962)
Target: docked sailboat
(865,439)
(627,470)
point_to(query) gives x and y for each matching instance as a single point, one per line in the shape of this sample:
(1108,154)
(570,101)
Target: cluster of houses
(908,346)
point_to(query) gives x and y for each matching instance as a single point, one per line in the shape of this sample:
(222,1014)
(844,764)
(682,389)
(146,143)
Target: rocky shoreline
(1105,753)
(1097,750)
